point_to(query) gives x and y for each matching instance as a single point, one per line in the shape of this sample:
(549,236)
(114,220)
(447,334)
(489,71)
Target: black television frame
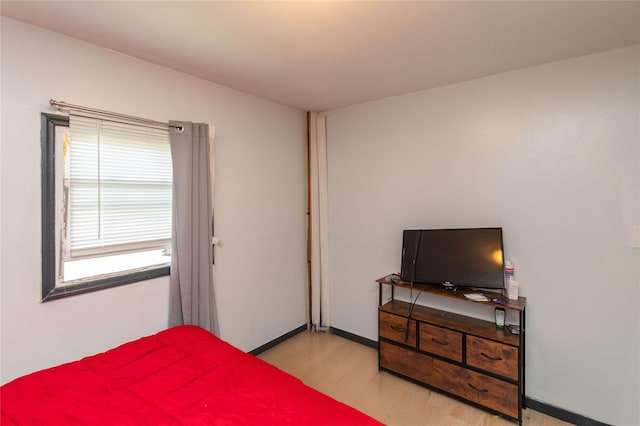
(454,257)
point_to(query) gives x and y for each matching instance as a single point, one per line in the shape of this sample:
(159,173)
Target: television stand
(464,357)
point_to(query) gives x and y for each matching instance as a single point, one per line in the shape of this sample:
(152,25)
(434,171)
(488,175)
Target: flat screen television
(470,257)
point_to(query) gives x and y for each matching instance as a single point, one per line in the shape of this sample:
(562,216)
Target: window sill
(101,284)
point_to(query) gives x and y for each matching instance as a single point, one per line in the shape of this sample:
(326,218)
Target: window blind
(119,182)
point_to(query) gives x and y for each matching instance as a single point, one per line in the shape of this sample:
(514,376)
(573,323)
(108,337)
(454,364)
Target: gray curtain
(191,298)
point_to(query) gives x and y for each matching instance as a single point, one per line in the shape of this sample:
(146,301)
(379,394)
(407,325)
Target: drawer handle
(491,357)
(398,328)
(438,342)
(477,389)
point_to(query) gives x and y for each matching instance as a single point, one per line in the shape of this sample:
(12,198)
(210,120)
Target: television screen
(471,257)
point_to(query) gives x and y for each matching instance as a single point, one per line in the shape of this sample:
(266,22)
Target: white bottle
(508,270)
(512,289)
(510,281)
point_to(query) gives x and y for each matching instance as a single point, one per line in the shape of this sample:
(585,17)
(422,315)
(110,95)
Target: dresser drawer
(394,327)
(422,367)
(440,341)
(490,392)
(493,357)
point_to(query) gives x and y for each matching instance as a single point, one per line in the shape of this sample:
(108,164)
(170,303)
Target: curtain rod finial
(56,104)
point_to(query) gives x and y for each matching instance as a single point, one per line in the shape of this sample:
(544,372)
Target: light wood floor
(348,372)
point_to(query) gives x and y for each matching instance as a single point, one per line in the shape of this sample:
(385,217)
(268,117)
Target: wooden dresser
(464,357)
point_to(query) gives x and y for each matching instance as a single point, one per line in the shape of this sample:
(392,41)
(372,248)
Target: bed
(180,376)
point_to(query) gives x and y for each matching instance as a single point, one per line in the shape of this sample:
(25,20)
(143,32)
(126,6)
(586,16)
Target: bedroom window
(107,204)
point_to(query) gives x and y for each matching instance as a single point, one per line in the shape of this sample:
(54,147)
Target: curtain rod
(63,105)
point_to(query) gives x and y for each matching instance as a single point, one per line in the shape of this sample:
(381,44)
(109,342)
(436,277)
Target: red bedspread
(181,376)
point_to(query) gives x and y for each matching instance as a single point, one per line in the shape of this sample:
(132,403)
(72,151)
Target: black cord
(416,247)
(406,331)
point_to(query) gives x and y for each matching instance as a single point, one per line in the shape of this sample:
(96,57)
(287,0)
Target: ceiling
(322,55)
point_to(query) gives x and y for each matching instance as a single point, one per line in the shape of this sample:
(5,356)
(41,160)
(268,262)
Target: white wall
(259,202)
(551,154)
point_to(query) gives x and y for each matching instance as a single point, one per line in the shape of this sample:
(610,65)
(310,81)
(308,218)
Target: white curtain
(319,286)
(191,297)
